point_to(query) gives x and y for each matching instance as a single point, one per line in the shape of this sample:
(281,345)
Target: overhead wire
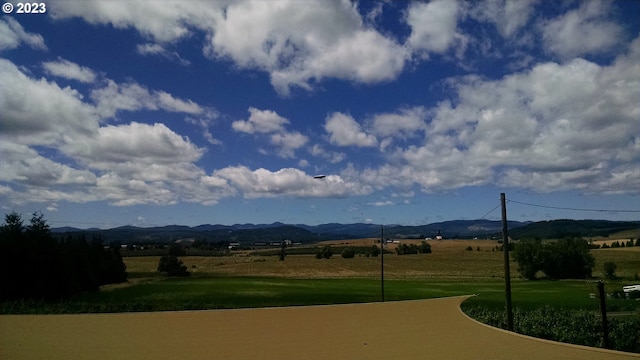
(489,212)
(573,209)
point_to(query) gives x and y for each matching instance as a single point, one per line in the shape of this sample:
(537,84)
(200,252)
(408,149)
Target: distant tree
(609,270)
(564,259)
(405,249)
(173,266)
(375,251)
(38,226)
(283,251)
(348,253)
(177,250)
(528,255)
(12,226)
(568,259)
(325,253)
(425,248)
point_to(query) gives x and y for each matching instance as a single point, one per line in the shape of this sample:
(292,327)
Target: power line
(574,209)
(489,212)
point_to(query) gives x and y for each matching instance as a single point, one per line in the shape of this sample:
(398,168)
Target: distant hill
(250,233)
(557,229)
(456,229)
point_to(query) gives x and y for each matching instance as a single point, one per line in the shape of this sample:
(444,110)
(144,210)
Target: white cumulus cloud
(344,130)
(69,70)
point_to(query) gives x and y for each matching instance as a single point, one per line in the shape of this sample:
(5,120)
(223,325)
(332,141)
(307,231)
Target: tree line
(563,259)
(36,265)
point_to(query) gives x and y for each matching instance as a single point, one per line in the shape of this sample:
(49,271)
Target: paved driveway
(423,329)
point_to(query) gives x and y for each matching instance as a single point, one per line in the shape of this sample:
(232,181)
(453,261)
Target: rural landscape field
(566,310)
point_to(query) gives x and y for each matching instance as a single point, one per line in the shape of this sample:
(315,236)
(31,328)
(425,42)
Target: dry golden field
(449,259)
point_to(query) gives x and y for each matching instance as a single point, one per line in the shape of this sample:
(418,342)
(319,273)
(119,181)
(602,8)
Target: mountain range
(250,233)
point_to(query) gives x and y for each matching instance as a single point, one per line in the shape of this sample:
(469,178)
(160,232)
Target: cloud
(263,122)
(138,148)
(77,160)
(554,127)
(343,130)
(69,70)
(164,23)
(24,165)
(158,50)
(507,16)
(433,26)
(12,35)
(332,157)
(383,203)
(296,43)
(585,30)
(262,183)
(39,112)
(131,96)
(405,123)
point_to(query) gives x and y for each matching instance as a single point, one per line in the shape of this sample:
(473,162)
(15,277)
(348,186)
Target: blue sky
(191,112)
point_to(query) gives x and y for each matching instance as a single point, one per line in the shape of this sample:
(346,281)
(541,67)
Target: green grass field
(260,281)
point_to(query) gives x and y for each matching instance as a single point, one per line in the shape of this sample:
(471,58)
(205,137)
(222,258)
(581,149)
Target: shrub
(348,253)
(172,266)
(375,251)
(325,253)
(609,270)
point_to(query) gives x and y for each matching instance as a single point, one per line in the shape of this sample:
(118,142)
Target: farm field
(243,281)
(287,287)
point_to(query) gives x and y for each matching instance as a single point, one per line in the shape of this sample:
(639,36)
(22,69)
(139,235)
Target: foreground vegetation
(581,327)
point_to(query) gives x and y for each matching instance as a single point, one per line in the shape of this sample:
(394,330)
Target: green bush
(348,253)
(609,270)
(172,266)
(564,259)
(375,251)
(325,253)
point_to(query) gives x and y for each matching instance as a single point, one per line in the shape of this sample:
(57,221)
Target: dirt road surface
(423,329)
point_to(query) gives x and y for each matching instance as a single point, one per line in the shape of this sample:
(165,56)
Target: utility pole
(603,310)
(382,261)
(507,275)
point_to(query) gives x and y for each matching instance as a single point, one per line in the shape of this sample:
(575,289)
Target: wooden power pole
(382,261)
(507,275)
(603,310)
